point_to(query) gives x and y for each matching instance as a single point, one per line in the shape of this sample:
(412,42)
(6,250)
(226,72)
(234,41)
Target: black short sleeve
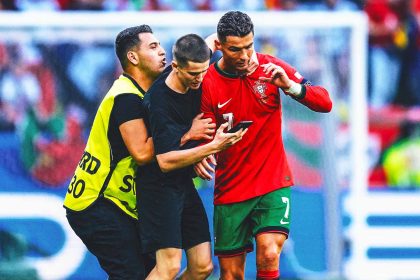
(166,133)
(129,107)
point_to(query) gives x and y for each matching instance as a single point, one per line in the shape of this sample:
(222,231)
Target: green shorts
(236,224)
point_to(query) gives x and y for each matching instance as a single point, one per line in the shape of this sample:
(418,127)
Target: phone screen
(242,124)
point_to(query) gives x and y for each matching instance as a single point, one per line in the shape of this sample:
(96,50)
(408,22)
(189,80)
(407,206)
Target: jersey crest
(259,89)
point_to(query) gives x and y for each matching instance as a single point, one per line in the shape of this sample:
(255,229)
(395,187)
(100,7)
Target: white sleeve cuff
(295,89)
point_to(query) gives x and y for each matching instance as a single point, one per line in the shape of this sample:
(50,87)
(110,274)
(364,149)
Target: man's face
(237,52)
(152,57)
(192,74)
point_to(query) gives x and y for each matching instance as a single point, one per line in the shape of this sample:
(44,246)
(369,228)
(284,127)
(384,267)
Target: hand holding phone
(242,124)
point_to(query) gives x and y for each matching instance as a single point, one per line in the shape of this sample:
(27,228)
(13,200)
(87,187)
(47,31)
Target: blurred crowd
(394,33)
(186,5)
(394,92)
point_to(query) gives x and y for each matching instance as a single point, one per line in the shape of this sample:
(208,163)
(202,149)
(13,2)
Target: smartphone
(242,124)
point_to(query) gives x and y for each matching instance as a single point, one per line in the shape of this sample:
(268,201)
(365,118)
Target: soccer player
(171,214)
(253,179)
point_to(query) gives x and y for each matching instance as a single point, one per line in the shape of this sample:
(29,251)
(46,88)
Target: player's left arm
(293,84)
(129,114)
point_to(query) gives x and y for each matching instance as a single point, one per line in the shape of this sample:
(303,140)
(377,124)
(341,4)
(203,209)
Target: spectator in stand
(106,5)
(92,5)
(417,63)
(335,44)
(273,4)
(401,161)
(407,40)
(250,5)
(189,5)
(20,89)
(6,122)
(384,57)
(330,5)
(289,5)
(37,5)
(8,5)
(417,8)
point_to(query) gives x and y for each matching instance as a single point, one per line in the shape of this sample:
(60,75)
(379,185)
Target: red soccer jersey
(257,164)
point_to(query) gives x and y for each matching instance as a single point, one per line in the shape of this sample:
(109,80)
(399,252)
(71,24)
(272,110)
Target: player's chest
(182,109)
(246,97)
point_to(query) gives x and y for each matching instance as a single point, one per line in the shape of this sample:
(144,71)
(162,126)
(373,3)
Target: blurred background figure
(91,5)
(330,5)
(8,5)
(393,51)
(407,38)
(49,135)
(37,5)
(20,88)
(401,160)
(384,59)
(13,265)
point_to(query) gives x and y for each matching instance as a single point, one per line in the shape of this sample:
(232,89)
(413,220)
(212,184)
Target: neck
(173,82)
(144,80)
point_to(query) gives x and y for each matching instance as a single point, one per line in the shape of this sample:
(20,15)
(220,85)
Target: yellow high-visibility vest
(97,173)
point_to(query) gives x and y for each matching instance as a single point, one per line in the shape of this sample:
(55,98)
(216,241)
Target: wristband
(295,89)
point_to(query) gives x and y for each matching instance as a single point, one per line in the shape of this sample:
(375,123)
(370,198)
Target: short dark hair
(127,39)
(234,23)
(190,47)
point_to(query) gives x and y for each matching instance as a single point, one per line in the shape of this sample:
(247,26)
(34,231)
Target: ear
(218,45)
(174,65)
(133,57)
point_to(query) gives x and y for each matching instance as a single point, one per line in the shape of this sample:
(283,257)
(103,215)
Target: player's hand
(275,75)
(205,167)
(252,65)
(224,140)
(201,129)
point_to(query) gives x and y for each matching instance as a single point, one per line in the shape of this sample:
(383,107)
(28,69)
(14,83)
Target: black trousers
(113,237)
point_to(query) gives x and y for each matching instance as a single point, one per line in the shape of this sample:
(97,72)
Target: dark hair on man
(190,47)
(234,23)
(127,39)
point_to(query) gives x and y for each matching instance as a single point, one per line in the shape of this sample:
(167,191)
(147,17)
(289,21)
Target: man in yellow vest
(101,198)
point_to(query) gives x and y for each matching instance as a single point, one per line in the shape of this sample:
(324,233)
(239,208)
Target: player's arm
(129,113)
(167,136)
(182,158)
(315,98)
(139,145)
(206,167)
(201,129)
